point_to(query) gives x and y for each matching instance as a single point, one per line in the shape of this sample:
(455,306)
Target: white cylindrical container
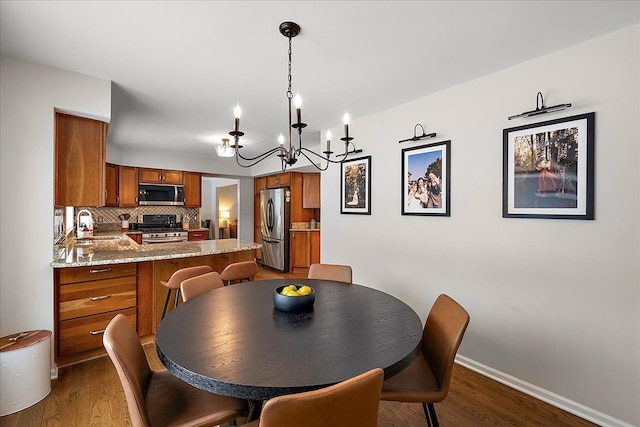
(25,370)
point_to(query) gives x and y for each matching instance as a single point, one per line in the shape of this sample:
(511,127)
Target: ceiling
(180,67)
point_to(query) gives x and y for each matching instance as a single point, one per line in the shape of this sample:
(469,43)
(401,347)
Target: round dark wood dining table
(233,342)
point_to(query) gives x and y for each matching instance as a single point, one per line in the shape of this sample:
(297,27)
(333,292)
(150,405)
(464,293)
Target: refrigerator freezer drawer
(273,254)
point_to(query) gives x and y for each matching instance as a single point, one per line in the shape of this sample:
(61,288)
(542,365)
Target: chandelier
(291,152)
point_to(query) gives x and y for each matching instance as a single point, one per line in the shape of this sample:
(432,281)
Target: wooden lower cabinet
(85,333)
(136,237)
(86,299)
(304,250)
(197,235)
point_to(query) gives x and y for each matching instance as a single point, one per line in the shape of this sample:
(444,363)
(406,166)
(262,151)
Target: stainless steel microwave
(160,195)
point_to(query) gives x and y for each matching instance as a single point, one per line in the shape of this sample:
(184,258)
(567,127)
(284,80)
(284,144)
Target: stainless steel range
(161,229)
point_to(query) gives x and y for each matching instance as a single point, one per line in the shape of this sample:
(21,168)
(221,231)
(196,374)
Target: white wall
(29,93)
(554,303)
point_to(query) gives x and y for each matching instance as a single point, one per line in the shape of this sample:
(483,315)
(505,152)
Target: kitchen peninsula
(95,279)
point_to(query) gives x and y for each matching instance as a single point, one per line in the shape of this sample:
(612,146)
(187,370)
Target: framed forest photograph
(548,169)
(426,175)
(355,186)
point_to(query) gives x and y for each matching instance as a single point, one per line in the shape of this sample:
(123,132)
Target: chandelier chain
(289,93)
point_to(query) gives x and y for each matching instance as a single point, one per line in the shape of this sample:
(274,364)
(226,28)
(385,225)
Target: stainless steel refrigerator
(274,227)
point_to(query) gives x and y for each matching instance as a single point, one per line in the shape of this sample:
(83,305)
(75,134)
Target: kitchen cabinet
(197,235)
(128,186)
(121,186)
(136,237)
(297,212)
(192,190)
(304,250)
(160,176)
(279,180)
(86,299)
(259,184)
(311,191)
(111,185)
(79,161)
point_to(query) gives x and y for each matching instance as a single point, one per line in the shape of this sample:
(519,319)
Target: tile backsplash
(109,215)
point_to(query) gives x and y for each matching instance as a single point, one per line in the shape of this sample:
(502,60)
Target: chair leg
(166,303)
(426,414)
(434,417)
(175,304)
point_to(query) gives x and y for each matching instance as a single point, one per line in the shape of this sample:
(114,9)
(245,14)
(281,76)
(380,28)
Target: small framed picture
(426,179)
(355,186)
(548,169)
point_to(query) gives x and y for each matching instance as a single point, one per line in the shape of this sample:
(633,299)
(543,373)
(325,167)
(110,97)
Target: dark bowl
(295,303)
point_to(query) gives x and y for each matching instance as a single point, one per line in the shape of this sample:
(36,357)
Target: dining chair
(157,398)
(198,285)
(426,380)
(353,402)
(339,273)
(178,277)
(239,271)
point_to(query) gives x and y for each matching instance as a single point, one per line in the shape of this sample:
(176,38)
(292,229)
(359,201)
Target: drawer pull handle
(97,332)
(101,297)
(101,270)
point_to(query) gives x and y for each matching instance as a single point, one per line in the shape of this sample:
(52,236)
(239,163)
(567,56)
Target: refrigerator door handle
(270,214)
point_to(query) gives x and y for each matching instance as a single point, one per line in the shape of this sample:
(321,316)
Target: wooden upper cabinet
(259,184)
(192,190)
(128,188)
(79,164)
(311,191)
(160,176)
(111,185)
(279,180)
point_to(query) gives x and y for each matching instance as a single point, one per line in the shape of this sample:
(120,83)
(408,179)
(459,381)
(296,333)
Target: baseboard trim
(54,372)
(539,393)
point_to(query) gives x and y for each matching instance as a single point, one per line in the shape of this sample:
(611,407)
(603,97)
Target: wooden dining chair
(178,277)
(198,285)
(426,380)
(339,273)
(239,271)
(157,398)
(353,402)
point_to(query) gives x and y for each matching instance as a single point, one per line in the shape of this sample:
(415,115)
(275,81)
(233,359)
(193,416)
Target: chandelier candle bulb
(281,140)
(328,143)
(345,120)
(298,103)
(237,112)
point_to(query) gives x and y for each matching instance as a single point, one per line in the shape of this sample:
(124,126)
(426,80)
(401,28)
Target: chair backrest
(441,337)
(239,271)
(184,273)
(126,353)
(198,285)
(353,402)
(339,273)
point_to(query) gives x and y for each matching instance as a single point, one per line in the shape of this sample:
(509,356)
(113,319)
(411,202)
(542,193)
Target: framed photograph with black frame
(355,186)
(548,169)
(426,179)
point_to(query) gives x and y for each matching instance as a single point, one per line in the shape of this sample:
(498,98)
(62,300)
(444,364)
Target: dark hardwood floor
(90,394)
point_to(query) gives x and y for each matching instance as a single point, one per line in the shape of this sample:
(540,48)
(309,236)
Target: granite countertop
(304,229)
(117,248)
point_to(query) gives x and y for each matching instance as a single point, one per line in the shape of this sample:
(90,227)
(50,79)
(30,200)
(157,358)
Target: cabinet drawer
(96,272)
(85,333)
(98,296)
(197,235)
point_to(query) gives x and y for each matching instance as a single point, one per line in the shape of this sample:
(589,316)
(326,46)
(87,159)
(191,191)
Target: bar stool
(243,270)
(177,278)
